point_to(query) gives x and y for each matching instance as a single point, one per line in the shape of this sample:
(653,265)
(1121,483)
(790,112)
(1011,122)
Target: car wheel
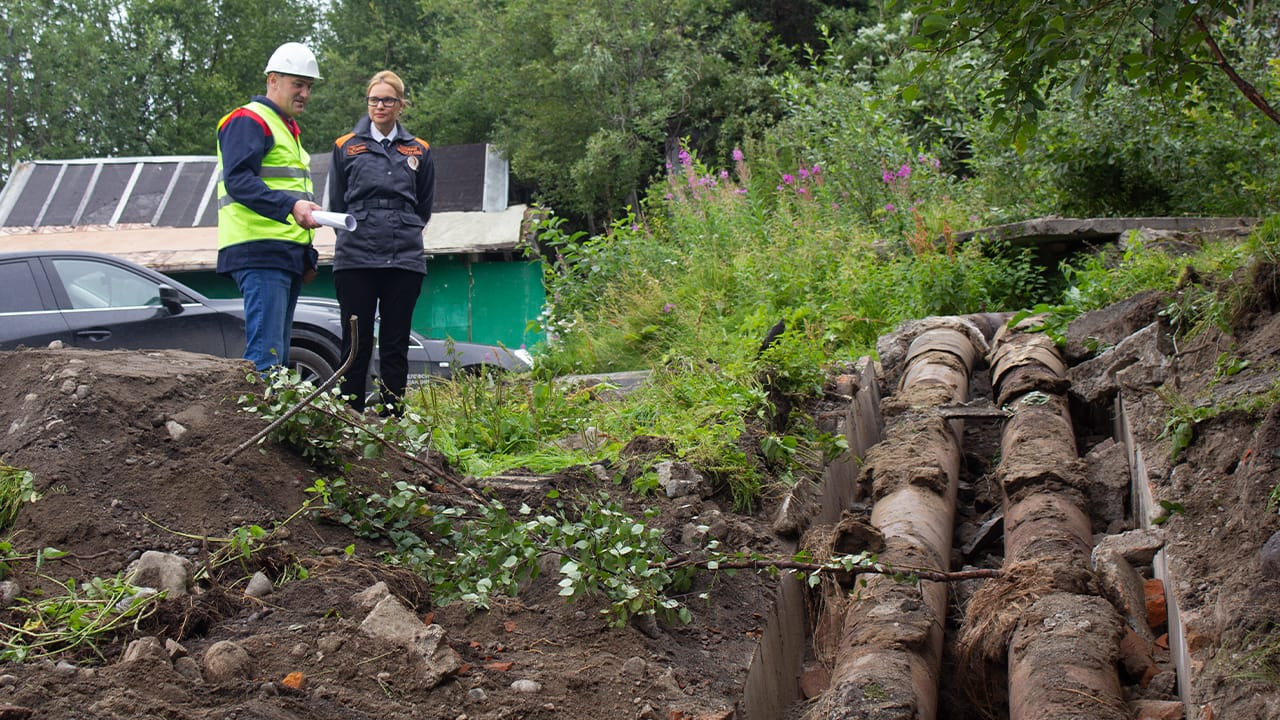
(310,365)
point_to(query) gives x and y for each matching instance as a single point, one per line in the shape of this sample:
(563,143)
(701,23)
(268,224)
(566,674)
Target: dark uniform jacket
(389,192)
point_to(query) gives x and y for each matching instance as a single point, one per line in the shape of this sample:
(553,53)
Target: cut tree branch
(812,567)
(333,379)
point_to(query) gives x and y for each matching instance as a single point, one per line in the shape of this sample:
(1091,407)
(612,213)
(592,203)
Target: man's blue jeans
(270,297)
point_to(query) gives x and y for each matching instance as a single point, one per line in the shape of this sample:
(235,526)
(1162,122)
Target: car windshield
(92,284)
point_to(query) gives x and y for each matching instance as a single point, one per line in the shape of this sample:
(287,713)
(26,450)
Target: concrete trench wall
(1144,509)
(778,660)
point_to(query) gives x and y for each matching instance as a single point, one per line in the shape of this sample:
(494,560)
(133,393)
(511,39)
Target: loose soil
(99,432)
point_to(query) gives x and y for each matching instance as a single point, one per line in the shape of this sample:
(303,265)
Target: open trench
(966,456)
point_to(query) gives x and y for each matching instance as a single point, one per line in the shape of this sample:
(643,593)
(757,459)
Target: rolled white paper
(341,221)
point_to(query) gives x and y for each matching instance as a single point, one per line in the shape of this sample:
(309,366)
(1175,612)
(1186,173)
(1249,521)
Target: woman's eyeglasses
(388,101)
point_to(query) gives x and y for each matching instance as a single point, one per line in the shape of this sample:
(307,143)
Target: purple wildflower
(887,177)
(685,158)
(737,155)
(804,172)
(904,171)
(724,174)
(668,308)
(889,208)
(788,178)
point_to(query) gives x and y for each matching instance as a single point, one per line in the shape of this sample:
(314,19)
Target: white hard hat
(293,58)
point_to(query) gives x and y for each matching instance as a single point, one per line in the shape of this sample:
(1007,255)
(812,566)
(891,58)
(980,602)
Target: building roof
(162,211)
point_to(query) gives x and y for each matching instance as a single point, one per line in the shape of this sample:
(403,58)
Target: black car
(91,300)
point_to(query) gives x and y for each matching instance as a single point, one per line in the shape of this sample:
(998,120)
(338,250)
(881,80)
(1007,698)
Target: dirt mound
(123,447)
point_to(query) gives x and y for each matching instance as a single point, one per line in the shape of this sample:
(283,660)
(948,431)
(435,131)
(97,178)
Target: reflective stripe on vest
(285,167)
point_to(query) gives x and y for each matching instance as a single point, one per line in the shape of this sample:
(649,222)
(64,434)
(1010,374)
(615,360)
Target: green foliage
(79,620)
(9,557)
(607,552)
(1096,280)
(318,432)
(358,39)
(1184,415)
(92,78)
(601,550)
(17,487)
(1168,508)
(518,74)
(1083,47)
(1258,658)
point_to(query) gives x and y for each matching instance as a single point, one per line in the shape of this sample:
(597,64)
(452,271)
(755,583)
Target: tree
(105,78)
(1038,45)
(360,38)
(586,98)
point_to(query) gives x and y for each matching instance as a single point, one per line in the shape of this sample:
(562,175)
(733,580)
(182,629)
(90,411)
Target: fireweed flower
(788,178)
(889,208)
(737,155)
(804,172)
(668,308)
(887,177)
(904,171)
(685,158)
(724,174)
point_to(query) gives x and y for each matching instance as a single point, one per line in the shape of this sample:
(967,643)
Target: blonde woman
(385,177)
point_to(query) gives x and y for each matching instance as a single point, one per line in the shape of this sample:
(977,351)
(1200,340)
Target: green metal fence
(484,301)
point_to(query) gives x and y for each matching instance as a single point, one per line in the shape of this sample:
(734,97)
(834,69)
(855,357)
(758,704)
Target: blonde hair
(390,78)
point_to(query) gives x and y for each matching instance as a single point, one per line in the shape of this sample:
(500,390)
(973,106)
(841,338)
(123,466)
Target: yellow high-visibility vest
(286,167)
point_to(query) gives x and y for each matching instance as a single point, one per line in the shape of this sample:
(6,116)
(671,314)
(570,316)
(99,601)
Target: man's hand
(302,214)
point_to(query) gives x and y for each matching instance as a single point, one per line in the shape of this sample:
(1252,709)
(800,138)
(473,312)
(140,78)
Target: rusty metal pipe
(1063,647)
(890,654)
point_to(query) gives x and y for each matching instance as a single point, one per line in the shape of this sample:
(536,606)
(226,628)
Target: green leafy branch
(82,618)
(17,487)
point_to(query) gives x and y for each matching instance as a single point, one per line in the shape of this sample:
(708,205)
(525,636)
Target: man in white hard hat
(266,202)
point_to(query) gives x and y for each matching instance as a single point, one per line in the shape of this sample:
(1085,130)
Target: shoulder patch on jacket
(244,113)
(357,148)
(425,145)
(343,139)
